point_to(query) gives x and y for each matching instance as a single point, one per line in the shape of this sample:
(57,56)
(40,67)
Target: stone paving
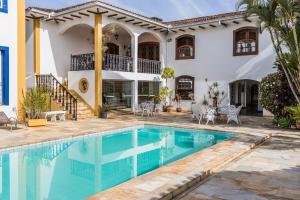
(278,159)
(271,171)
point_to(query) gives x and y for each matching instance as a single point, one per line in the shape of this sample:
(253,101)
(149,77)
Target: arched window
(185,86)
(245,41)
(185,47)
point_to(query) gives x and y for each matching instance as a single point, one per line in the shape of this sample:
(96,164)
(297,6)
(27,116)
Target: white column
(134,51)
(245,93)
(134,93)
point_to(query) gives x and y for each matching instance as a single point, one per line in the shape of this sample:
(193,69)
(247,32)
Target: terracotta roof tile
(205,18)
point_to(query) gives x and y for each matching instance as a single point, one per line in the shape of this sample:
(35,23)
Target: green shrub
(36,101)
(275,95)
(294,111)
(285,122)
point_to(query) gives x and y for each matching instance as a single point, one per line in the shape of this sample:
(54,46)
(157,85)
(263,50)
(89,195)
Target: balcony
(113,62)
(149,66)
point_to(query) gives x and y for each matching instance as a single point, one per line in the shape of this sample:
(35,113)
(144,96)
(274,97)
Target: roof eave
(210,22)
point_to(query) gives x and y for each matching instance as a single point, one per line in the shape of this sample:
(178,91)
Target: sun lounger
(5,120)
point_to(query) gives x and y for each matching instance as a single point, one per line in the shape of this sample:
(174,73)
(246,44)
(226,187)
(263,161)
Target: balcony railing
(114,63)
(83,62)
(117,63)
(149,66)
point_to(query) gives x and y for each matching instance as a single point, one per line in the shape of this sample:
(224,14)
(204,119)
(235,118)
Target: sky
(165,9)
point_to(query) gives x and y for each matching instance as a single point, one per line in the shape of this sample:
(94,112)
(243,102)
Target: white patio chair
(157,108)
(233,114)
(210,116)
(147,108)
(10,114)
(196,114)
(137,109)
(203,113)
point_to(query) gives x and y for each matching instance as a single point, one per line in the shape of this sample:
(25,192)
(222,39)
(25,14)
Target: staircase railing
(59,93)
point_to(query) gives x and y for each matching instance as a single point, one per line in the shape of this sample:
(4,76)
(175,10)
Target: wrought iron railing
(110,62)
(83,62)
(117,63)
(59,93)
(149,66)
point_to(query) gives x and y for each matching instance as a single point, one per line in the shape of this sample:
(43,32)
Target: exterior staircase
(84,110)
(64,99)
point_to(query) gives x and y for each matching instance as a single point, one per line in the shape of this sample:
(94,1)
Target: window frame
(177,79)
(235,42)
(177,57)
(4,9)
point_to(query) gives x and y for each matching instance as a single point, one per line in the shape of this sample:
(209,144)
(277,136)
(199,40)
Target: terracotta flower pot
(215,102)
(36,122)
(298,124)
(169,108)
(179,109)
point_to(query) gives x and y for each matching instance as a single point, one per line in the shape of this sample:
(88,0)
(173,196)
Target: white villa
(64,49)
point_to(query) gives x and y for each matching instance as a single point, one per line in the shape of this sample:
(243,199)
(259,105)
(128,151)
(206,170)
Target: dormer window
(185,47)
(3,6)
(245,41)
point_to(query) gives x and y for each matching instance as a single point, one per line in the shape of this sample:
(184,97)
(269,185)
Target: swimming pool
(76,169)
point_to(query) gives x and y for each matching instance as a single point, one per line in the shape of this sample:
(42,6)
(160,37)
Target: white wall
(214,59)
(57,43)
(8,38)
(75,77)
(30,78)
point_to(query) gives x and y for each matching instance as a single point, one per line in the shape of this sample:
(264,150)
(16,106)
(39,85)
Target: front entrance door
(245,92)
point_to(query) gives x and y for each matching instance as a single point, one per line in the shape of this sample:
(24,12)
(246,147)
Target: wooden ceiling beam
(61,20)
(130,20)
(93,12)
(136,23)
(76,16)
(235,22)
(192,29)
(69,18)
(223,24)
(181,30)
(84,14)
(202,27)
(112,15)
(120,18)
(211,25)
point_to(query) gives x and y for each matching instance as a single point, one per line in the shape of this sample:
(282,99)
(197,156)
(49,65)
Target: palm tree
(281,19)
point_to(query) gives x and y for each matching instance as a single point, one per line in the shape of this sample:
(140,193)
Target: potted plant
(167,73)
(178,103)
(192,97)
(205,101)
(295,112)
(36,102)
(214,92)
(157,101)
(104,111)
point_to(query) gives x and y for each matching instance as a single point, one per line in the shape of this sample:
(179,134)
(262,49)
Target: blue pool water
(78,169)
